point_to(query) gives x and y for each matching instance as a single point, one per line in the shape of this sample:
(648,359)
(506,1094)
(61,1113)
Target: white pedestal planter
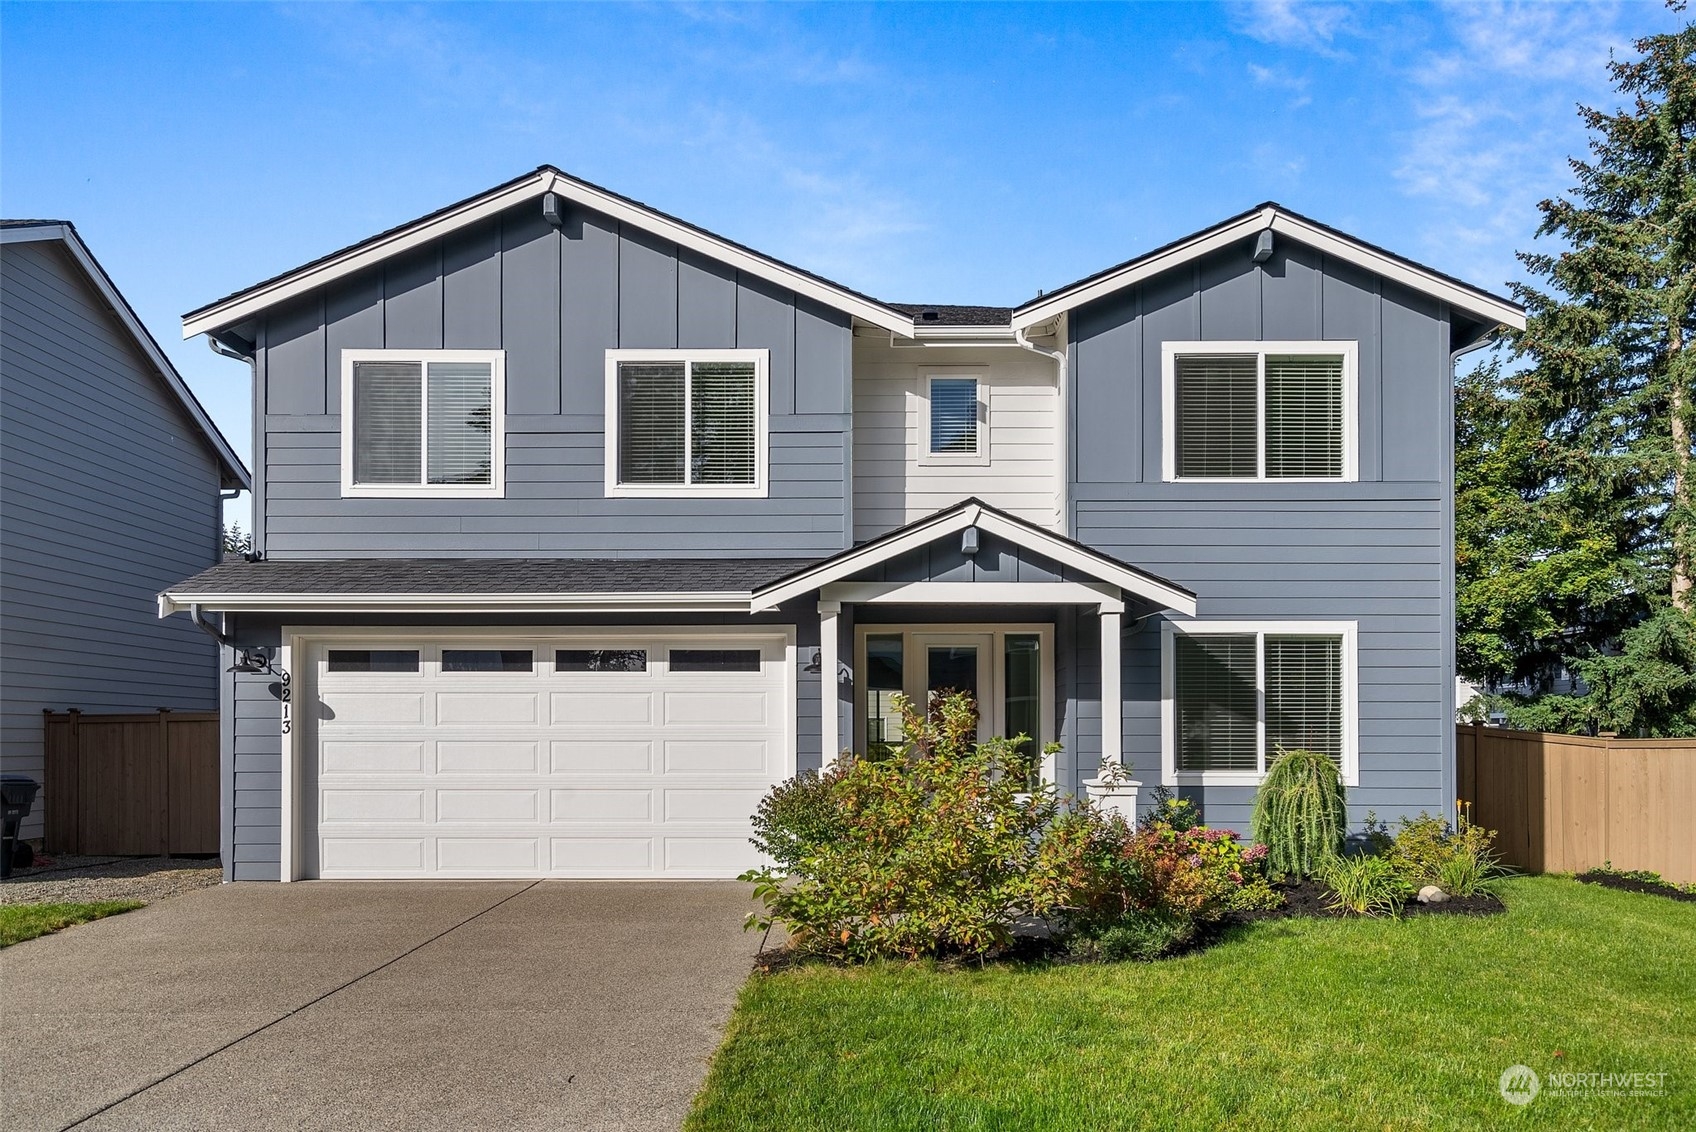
(1118,797)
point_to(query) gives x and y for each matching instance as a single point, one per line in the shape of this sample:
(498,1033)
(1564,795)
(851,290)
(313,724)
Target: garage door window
(486,660)
(373,660)
(601,660)
(715,660)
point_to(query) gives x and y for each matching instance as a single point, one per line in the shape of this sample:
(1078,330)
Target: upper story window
(956,415)
(1259,410)
(1236,693)
(686,422)
(423,422)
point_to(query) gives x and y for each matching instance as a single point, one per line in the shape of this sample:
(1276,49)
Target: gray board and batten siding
(555,300)
(110,495)
(1378,551)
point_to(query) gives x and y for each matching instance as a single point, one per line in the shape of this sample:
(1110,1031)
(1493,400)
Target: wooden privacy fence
(131,784)
(1566,803)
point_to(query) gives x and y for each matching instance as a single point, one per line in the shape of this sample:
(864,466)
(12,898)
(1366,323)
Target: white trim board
(703,602)
(1272,218)
(1099,594)
(126,317)
(245,304)
(958,519)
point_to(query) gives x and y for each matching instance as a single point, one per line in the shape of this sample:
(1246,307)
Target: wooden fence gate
(1566,803)
(131,784)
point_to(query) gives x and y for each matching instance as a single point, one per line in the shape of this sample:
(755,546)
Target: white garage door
(606,756)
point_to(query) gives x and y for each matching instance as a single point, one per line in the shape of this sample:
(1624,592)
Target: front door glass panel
(885,679)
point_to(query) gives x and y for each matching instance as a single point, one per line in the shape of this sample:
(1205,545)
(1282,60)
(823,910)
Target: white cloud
(1293,23)
(1274,79)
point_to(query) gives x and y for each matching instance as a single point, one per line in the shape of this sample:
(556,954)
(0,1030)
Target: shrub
(1364,885)
(1181,814)
(1460,861)
(796,818)
(930,853)
(1141,936)
(1300,813)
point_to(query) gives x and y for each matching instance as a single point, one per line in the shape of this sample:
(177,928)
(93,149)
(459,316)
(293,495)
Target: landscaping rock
(1431,894)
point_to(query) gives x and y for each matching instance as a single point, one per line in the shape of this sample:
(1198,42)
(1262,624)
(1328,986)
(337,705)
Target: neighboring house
(582,526)
(110,476)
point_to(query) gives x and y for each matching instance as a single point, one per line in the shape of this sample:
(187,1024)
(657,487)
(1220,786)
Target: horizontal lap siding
(110,495)
(892,487)
(555,302)
(1377,552)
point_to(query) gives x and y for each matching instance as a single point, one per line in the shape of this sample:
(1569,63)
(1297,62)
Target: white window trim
(1169,354)
(762,425)
(1349,631)
(494,489)
(978,458)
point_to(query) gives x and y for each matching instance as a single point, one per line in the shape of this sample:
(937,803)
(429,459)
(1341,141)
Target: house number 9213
(285,692)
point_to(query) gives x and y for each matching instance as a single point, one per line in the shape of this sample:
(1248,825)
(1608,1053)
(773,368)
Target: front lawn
(1285,1024)
(19,922)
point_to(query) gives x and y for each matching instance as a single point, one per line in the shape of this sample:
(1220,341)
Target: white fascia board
(947,523)
(457,603)
(138,334)
(1065,553)
(1034,314)
(1100,594)
(964,335)
(248,303)
(1350,251)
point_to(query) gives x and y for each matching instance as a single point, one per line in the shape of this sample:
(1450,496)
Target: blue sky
(936,153)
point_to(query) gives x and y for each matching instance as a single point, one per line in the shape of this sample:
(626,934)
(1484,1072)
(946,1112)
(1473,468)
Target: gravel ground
(67,878)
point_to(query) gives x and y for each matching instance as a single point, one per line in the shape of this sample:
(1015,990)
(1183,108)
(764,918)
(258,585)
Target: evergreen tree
(1576,534)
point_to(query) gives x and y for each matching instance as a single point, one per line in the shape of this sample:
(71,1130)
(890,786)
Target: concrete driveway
(501,1005)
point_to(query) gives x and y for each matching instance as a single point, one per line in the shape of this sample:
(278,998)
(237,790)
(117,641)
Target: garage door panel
(603,709)
(486,855)
(354,708)
(486,707)
(602,756)
(370,807)
(460,756)
(488,807)
(589,806)
(372,756)
(364,855)
(717,709)
(417,772)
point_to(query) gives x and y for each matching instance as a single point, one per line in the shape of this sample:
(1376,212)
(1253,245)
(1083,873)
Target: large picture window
(1235,694)
(1259,410)
(422,422)
(686,422)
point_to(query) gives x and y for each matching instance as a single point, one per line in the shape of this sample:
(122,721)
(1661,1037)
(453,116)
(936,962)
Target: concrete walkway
(500,1005)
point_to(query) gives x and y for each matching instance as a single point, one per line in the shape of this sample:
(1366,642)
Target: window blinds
(953,416)
(1304,695)
(460,436)
(724,415)
(1218,417)
(1304,416)
(650,422)
(1215,692)
(388,426)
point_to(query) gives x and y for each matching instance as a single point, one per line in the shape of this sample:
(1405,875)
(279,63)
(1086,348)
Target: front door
(954,662)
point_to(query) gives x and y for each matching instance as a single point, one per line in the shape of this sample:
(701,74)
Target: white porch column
(830,743)
(1112,710)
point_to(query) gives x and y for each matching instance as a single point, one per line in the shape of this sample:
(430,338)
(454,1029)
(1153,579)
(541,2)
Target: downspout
(205,626)
(1062,390)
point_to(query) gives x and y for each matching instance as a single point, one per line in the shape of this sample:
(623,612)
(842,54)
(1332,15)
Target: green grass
(1291,1024)
(19,922)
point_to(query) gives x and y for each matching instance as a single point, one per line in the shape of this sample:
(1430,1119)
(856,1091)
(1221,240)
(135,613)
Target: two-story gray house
(581,526)
(110,481)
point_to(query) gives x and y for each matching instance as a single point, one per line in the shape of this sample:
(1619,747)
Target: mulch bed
(1635,884)
(1311,898)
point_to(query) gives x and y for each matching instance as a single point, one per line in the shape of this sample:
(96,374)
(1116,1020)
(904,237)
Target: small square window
(601,660)
(373,660)
(486,660)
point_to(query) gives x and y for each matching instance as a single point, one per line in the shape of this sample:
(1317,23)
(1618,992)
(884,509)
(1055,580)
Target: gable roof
(546,179)
(1273,217)
(975,512)
(235,473)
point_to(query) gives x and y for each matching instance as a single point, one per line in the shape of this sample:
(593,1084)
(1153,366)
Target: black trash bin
(17,797)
